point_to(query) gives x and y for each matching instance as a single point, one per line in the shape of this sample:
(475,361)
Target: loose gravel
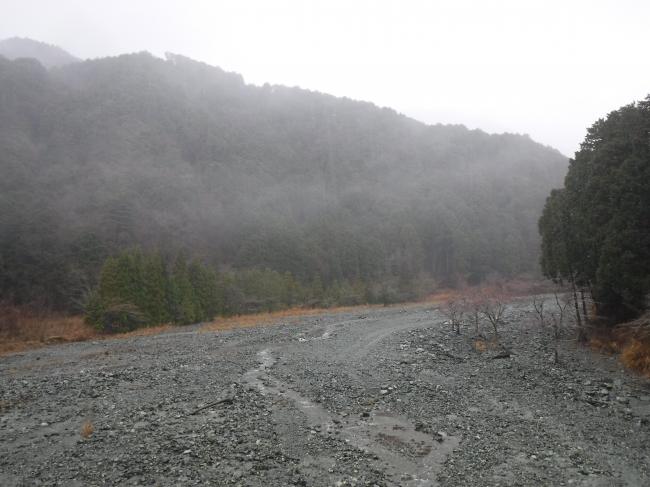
(386,396)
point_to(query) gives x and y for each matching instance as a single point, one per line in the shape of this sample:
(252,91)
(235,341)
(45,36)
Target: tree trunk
(581,332)
(584,304)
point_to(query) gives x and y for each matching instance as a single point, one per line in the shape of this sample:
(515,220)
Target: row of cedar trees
(596,230)
(139,289)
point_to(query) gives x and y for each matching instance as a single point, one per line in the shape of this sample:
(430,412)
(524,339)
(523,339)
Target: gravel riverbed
(377,396)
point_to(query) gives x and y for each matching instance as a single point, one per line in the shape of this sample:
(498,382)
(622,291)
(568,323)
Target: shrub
(636,356)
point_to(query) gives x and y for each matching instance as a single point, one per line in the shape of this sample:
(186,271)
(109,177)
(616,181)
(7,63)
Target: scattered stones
(177,408)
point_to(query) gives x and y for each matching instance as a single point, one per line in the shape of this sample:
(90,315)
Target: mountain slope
(48,55)
(175,154)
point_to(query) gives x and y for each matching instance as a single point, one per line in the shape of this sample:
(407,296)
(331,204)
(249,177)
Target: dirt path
(369,397)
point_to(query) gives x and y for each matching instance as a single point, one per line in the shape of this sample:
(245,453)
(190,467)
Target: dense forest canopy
(596,230)
(172,155)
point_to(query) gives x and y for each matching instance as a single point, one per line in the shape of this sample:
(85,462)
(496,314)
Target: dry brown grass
(480,345)
(443,296)
(287,315)
(22,330)
(636,356)
(631,341)
(606,344)
(483,345)
(87,429)
(505,289)
(142,332)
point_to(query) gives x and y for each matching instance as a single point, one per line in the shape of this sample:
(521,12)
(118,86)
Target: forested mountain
(175,155)
(48,55)
(596,229)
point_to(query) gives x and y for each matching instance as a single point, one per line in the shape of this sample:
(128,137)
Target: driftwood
(225,400)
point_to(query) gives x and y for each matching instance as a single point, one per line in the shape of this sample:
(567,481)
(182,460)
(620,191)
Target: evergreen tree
(183,300)
(204,285)
(596,231)
(155,282)
(116,305)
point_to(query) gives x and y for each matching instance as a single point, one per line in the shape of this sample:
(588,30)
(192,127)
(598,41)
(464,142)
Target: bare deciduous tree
(540,313)
(454,310)
(473,305)
(555,318)
(558,317)
(493,308)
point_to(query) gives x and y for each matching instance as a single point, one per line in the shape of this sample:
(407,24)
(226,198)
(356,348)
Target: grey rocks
(386,397)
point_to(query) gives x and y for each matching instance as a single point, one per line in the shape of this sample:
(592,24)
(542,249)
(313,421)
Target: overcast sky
(542,67)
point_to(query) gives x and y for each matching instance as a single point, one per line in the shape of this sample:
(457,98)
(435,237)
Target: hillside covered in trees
(176,156)
(596,229)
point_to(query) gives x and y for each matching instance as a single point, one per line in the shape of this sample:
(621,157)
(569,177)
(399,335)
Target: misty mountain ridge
(48,55)
(176,154)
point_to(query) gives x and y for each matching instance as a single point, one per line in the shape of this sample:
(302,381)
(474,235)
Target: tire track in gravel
(409,457)
(360,397)
(387,436)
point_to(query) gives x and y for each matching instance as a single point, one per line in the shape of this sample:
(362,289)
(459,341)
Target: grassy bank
(631,341)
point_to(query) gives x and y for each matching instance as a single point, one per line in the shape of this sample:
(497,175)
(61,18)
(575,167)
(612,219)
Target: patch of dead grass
(142,332)
(22,330)
(483,345)
(261,319)
(443,296)
(636,356)
(631,341)
(605,344)
(480,345)
(510,289)
(87,429)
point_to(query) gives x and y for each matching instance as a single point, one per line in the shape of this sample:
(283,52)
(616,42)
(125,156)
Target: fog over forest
(177,156)
(378,268)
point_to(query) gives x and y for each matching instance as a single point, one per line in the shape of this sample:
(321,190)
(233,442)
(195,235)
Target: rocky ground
(371,397)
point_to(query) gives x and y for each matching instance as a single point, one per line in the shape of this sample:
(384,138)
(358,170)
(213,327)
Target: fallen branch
(225,400)
(504,354)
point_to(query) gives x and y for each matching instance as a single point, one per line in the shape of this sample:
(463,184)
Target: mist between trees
(278,183)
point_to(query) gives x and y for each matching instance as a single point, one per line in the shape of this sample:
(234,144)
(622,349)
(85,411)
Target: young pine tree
(182,298)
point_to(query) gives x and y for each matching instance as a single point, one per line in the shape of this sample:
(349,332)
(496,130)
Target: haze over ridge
(179,155)
(542,68)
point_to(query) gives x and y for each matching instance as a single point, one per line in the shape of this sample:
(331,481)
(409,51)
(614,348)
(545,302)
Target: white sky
(543,67)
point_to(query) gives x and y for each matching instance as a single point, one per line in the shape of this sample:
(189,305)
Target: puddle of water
(411,457)
(410,453)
